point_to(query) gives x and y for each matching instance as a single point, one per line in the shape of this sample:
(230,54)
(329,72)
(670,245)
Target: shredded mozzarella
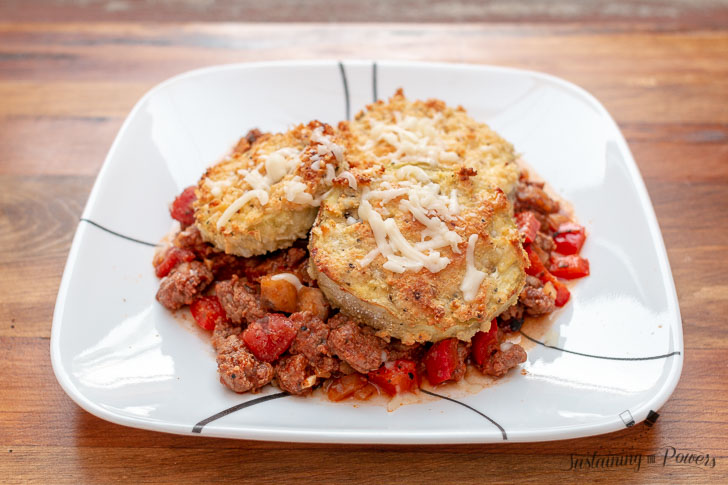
(295,191)
(326,144)
(363,262)
(473,277)
(400,254)
(412,171)
(277,165)
(416,140)
(289,277)
(349,178)
(261,195)
(330,174)
(422,198)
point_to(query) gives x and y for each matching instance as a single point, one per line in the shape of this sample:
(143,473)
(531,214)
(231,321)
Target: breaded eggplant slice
(428,134)
(364,268)
(266,197)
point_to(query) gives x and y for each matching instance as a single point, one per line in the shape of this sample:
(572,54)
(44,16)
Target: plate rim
(377,436)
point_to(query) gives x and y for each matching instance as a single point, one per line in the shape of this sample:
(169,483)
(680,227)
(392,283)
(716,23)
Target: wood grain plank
(635,76)
(59,99)
(94,465)
(666,13)
(65,89)
(56,145)
(38,217)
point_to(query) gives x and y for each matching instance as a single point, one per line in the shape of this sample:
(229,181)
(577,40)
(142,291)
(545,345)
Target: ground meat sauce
(321,346)
(240,301)
(535,299)
(222,331)
(239,369)
(397,350)
(462,355)
(295,374)
(501,361)
(356,344)
(312,341)
(183,284)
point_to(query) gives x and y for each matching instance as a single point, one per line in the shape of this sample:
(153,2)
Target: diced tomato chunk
(536,267)
(441,360)
(346,386)
(172,257)
(396,377)
(181,208)
(528,225)
(539,270)
(569,267)
(569,238)
(556,219)
(207,312)
(269,337)
(482,343)
(562,292)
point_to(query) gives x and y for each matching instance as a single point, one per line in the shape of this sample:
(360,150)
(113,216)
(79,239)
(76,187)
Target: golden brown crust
(478,148)
(421,305)
(255,228)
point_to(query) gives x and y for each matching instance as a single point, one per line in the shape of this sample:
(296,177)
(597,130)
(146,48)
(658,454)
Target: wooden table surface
(64,91)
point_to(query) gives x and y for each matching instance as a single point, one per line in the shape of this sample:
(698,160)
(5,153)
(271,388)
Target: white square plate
(613,355)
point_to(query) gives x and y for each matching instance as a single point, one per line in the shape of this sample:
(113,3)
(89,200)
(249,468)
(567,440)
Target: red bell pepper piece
(172,257)
(269,337)
(207,312)
(536,267)
(569,267)
(441,361)
(182,209)
(482,343)
(528,225)
(539,270)
(562,292)
(396,377)
(569,238)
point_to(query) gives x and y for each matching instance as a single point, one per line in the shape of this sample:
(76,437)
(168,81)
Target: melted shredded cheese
(326,145)
(473,277)
(289,277)
(261,195)
(295,191)
(416,140)
(349,178)
(330,174)
(277,165)
(423,200)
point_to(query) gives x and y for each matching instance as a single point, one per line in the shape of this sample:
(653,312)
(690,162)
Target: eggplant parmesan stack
(428,247)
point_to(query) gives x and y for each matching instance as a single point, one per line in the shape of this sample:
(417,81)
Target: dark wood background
(70,71)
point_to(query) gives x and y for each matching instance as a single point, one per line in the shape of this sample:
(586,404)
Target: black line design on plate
(118,234)
(346,87)
(651,418)
(503,431)
(627,418)
(374,82)
(198,427)
(605,357)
